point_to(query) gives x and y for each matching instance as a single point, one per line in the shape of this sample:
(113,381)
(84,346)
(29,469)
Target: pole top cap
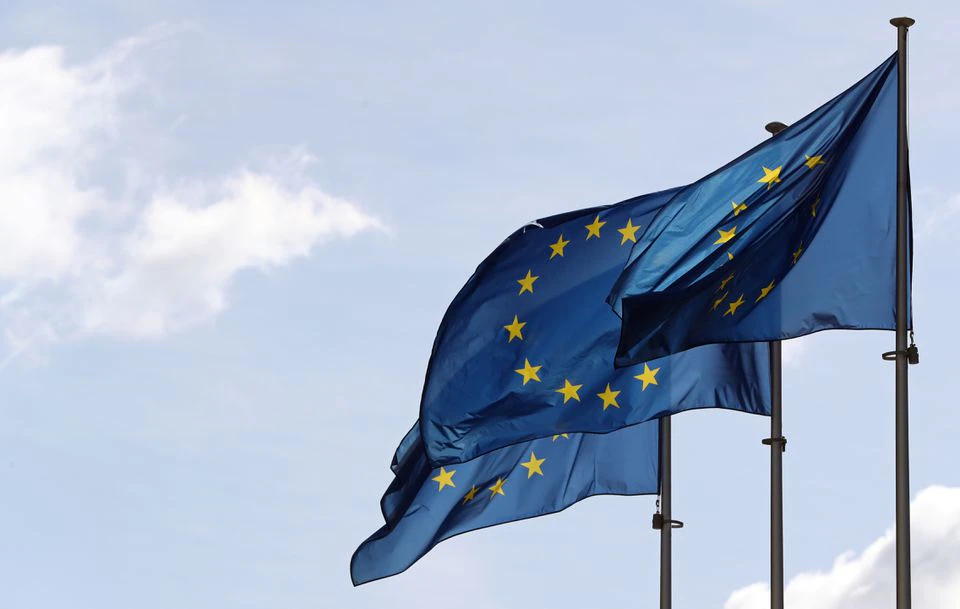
(902,21)
(775,127)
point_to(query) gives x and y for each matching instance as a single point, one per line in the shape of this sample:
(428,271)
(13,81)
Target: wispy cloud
(867,580)
(95,238)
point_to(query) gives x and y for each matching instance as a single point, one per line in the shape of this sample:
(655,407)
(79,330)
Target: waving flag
(425,505)
(795,236)
(526,348)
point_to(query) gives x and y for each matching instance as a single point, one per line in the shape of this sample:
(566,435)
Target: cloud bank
(867,580)
(88,246)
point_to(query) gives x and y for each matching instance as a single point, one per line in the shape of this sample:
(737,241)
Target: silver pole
(902,413)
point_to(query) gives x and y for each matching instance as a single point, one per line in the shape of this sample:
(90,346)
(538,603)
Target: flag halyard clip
(659,522)
(912,353)
(781,440)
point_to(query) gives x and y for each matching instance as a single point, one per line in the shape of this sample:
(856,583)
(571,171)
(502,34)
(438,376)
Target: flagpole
(663,518)
(778,444)
(904,353)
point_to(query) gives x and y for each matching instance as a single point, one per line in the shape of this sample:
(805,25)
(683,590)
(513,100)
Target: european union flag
(526,348)
(795,236)
(423,506)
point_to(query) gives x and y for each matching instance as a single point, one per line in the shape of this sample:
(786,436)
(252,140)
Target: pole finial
(902,21)
(775,127)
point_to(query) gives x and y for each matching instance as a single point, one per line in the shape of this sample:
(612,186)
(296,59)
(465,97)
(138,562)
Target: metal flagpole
(904,354)
(778,444)
(666,528)
(662,520)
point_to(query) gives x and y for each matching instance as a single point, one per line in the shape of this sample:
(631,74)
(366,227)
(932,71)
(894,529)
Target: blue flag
(795,236)
(526,348)
(425,505)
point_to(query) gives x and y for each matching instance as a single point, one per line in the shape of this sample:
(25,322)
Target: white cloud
(189,243)
(867,580)
(89,246)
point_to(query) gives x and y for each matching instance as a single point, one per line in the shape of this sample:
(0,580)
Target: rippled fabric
(527,347)
(795,236)
(425,505)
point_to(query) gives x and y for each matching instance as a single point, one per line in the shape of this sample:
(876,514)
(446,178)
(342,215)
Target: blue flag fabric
(526,348)
(423,505)
(795,236)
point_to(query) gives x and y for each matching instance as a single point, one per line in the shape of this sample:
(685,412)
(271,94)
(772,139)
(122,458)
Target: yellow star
(533,466)
(724,283)
(558,247)
(796,254)
(470,495)
(515,328)
(569,391)
(609,398)
(813,208)
(497,488)
(629,232)
(649,377)
(445,478)
(726,235)
(561,435)
(813,161)
(733,306)
(529,372)
(737,208)
(593,230)
(764,291)
(729,255)
(717,302)
(526,284)
(770,176)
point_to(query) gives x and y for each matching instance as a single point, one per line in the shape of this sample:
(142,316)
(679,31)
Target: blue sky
(228,234)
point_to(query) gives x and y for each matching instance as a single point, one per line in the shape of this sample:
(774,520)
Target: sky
(228,233)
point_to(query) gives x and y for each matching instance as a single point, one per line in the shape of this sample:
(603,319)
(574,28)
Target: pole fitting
(659,521)
(912,353)
(902,22)
(775,127)
(781,440)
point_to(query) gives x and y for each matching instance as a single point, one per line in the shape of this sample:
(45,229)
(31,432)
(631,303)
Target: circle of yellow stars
(530,371)
(771,177)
